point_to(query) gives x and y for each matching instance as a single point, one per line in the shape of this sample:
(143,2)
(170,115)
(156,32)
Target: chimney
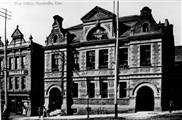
(146,11)
(57,21)
(166,23)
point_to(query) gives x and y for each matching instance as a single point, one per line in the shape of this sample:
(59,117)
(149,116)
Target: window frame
(55,62)
(16,83)
(121,89)
(90,60)
(1,64)
(23,82)
(123,62)
(10,87)
(145,55)
(23,62)
(76,60)
(102,81)
(11,63)
(90,92)
(103,59)
(17,62)
(75,90)
(145,27)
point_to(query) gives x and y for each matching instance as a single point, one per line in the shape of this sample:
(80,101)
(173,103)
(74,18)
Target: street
(176,115)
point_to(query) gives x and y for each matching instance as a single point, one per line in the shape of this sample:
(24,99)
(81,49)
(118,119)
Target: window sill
(90,69)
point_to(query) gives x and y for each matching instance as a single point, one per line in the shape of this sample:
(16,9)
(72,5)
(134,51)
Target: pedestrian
(26,107)
(171,105)
(44,111)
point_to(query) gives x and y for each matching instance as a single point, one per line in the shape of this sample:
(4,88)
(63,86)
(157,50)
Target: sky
(35,17)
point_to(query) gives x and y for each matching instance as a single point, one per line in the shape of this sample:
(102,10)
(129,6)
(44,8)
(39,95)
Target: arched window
(97,33)
(55,37)
(145,27)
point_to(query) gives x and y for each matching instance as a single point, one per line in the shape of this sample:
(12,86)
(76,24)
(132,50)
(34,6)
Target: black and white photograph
(90,59)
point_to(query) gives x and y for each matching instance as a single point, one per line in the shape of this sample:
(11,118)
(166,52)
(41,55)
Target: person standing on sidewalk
(171,105)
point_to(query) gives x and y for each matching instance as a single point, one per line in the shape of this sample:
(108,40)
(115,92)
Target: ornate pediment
(97,13)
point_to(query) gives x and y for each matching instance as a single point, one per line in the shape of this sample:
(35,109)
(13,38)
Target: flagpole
(116,62)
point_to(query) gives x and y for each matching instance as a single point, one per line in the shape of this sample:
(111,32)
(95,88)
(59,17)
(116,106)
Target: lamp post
(88,108)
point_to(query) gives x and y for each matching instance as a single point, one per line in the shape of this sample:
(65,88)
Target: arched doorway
(145,99)
(55,99)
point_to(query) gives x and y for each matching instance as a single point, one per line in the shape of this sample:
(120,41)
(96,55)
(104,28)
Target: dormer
(98,24)
(146,23)
(58,34)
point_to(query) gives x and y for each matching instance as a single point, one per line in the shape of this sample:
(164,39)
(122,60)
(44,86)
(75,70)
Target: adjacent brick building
(79,70)
(176,78)
(25,73)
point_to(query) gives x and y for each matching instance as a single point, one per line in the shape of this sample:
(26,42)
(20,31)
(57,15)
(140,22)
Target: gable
(17,34)
(17,37)
(97,13)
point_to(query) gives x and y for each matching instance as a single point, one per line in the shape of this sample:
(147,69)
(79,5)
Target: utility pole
(116,61)
(5,15)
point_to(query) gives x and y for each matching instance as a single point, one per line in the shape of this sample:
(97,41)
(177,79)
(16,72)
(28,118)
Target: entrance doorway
(145,99)
(55,99)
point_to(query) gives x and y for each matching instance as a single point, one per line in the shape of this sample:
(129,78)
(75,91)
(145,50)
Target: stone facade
(23,79)
(143,68)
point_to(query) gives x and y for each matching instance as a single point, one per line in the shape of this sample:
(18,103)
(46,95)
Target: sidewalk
(138,115)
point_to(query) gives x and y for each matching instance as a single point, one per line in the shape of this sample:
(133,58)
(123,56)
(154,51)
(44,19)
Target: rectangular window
(10,63)
(10,83)
(123,57)
(90,87)
(23,62)
(90,60)
(55,62)
(17,62)
(76,60)
(16,83)
(122,90)
(75,90)
(103,58)
(23,83)
(1,64)
(103,87)
(145,55)
(91,90)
